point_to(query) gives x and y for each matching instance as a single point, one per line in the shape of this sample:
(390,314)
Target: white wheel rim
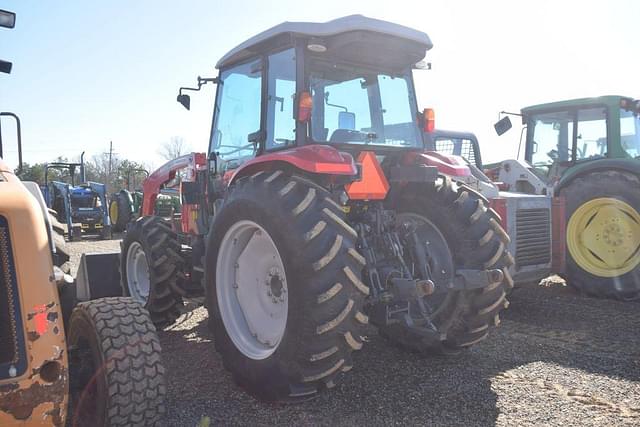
(138,280)
(251,288)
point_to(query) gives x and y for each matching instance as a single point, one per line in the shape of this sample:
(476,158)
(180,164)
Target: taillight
(429,119)
(305,105)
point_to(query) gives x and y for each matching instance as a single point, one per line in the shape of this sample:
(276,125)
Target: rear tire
(151,267)
(321,275)
(117,376)
(611,226)
(120,211)
(475,240)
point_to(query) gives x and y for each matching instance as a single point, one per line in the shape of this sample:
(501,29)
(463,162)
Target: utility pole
(111,153)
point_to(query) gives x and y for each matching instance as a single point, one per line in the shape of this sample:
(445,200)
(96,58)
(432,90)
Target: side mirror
(7,19)
(5,67)
(503,125)
(346,120)
(185,100)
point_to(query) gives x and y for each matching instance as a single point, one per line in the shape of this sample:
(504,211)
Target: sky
(86,73)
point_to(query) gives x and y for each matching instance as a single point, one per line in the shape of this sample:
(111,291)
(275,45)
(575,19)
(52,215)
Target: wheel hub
(113,212)
(251,286)
(275,286)
(138,278)
(613,235)
(603,237)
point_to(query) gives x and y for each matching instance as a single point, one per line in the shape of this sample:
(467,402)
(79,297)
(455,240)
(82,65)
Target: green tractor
(125,205)
(587,151)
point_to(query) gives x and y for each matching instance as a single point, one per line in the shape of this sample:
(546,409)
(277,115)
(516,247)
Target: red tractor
(316,210)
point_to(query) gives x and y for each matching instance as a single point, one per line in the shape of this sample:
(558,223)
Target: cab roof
(609,100)
(352,23)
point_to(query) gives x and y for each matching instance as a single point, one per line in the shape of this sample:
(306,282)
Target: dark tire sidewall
(136,233)
(82,327)
(294,369)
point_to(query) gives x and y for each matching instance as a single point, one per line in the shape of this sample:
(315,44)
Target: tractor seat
(347,135)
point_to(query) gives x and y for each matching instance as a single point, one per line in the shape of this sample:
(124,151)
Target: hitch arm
(472,279)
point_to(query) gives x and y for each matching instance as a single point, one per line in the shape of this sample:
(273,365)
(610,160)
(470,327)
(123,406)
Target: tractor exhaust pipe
(83,178)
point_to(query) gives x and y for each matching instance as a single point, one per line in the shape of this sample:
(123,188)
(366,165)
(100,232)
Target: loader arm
(152,185)
(101,191)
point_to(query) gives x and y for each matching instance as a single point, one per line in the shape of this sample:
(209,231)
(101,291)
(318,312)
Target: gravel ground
(558,358)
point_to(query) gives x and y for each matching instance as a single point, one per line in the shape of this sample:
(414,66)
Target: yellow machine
(68,351)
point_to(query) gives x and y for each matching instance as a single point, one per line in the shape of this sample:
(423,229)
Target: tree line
(118,174)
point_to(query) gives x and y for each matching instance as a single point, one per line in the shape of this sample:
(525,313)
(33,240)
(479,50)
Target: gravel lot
(558,358)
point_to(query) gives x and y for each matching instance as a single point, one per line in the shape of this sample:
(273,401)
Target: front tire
(152,267)
(117,375)
(603,234)
(300,256)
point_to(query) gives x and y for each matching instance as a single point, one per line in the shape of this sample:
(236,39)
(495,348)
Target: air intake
(12,360)
(533,237)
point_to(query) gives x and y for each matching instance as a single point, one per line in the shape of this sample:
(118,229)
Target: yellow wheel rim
(603,237)
(113,212)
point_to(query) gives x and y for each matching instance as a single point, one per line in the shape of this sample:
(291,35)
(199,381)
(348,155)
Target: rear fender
(453,166)
(315,159)
(629,166)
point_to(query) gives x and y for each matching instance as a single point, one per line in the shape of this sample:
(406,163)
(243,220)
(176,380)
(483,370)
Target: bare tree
(173,148)
(97,169)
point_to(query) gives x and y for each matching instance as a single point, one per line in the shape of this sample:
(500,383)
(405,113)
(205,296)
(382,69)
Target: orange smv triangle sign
(373,185)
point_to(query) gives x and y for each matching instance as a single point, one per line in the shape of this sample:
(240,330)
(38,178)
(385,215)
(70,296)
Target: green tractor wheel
(120,211)
(603,234)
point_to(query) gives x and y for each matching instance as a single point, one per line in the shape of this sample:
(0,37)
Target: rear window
(457,147)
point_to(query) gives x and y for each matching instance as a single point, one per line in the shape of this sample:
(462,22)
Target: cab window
(462,147)
(552,138)
(591,138)
(630,133)
(281,90)
(237,111)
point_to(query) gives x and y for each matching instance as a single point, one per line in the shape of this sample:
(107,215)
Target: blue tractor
(81,207)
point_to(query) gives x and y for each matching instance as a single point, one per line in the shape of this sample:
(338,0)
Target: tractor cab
(346,84)
(564,134)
